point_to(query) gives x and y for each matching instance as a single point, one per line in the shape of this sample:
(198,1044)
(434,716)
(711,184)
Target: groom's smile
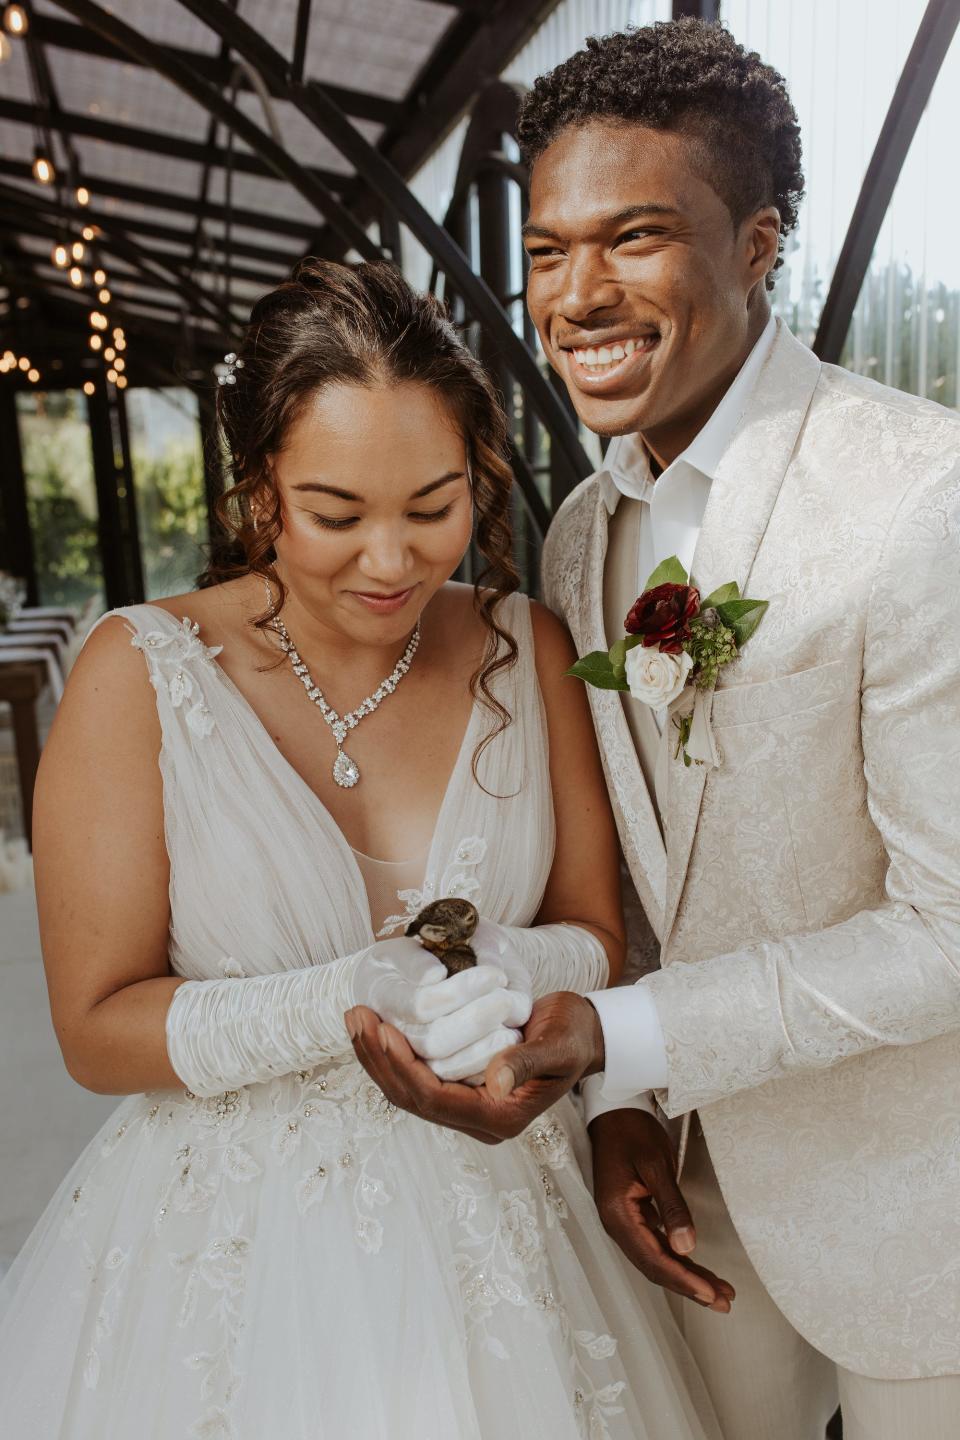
(646,297)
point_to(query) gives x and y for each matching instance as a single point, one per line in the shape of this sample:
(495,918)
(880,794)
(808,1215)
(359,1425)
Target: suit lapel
(742,498)
(624,775)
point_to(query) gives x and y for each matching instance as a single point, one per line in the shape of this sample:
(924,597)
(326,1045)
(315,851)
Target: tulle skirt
(300,1260)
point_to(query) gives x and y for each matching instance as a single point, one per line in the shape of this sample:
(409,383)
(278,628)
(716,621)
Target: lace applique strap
(179,662)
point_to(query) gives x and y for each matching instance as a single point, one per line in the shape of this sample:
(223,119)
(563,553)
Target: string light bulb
(99,277)
(43,171)
(121,344)
(109,353)
(76,275)
(104,297)
(121,382)
(88,232)
(88,387)
(60,256)
(98,321)
(95,342)
(33,376)
(112,376)
(83,195)
(23,363)
(15,20)
(120,364)
(78,250)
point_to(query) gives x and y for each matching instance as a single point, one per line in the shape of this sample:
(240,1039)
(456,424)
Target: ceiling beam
(280,262)
(165,273)
(72,125)
(477,49)
(167,200)
(64,35)
(300,40)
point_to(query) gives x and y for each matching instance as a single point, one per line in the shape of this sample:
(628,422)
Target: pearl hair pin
(233,364)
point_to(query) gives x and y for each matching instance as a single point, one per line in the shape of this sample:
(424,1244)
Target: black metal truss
(169,200)
(473,53)
(162,271)
(392,192)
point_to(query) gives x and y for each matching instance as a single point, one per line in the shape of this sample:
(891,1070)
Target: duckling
(445,928)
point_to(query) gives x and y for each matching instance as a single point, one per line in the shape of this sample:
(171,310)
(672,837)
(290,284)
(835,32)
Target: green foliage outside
(62,503)
(61,498)
(172,517)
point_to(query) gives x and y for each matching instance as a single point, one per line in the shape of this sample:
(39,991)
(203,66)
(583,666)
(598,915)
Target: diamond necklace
(346,771)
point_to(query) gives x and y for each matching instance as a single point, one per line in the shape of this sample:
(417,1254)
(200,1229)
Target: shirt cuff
(594,1104)
(635,1052)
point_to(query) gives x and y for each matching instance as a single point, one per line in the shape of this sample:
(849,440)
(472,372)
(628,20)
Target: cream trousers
(765,1380)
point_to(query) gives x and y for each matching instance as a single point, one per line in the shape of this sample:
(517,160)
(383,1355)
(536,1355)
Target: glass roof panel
(137,167)
(165,23)
(374,45)
(130,94)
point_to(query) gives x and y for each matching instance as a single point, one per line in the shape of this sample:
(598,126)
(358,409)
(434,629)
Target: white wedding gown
(298,1260)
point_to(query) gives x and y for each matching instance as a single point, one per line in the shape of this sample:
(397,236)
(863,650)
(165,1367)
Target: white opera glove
(224,1034)
(540,959)
(536,961)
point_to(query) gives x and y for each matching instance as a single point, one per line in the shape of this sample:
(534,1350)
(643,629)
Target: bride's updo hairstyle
(359,325)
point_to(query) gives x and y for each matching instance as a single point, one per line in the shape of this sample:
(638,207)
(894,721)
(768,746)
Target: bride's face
(375,505)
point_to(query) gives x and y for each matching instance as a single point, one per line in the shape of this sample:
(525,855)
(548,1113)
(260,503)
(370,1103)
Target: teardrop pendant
(346,772)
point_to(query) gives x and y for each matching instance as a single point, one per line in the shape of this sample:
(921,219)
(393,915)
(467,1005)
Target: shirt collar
(626,467)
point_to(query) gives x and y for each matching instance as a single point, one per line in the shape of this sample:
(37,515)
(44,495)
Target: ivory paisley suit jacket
(807,898)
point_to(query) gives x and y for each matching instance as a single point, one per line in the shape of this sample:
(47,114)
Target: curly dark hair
(363,325)
(691,77)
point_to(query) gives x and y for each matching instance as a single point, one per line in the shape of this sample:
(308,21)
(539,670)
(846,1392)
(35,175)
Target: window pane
(906,326)
(167,460)
(61,495)
(841,63)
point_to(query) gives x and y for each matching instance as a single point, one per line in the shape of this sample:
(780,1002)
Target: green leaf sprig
(718,632)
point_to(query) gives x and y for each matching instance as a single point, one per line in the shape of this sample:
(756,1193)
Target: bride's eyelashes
(426,516)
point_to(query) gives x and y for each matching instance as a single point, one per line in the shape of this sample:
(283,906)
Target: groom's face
(645,296)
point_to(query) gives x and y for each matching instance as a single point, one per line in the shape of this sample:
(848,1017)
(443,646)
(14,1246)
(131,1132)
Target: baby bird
(445,928)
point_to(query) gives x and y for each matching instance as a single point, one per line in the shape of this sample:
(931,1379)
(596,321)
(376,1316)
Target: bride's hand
(460,1048)
(491,945)
(408,986)
(456,1023)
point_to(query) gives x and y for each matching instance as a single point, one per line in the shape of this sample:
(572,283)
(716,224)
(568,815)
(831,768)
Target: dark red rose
(662,616)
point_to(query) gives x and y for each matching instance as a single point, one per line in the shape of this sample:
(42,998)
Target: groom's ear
(760,244)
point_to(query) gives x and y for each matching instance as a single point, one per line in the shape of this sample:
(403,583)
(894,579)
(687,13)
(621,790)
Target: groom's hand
(562,1042)
(643,1209)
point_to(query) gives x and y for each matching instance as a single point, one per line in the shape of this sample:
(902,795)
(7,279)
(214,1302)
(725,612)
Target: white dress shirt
(671,516)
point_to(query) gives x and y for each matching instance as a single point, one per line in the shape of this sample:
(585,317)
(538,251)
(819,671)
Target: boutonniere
(674,640)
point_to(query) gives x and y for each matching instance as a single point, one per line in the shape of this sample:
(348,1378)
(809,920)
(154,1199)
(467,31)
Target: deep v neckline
(350,859)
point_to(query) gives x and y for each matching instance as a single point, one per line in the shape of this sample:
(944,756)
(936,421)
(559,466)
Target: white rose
(655,678)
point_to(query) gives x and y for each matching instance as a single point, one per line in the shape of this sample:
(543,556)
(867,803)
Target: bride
(257,1243)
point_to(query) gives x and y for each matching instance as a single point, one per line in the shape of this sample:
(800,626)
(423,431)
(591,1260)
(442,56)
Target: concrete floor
(45,1119)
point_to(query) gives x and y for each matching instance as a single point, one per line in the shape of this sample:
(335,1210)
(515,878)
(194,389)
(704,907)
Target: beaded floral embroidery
(170,658)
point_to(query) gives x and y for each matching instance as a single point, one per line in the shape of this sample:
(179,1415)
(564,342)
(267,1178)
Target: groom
(804,891)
